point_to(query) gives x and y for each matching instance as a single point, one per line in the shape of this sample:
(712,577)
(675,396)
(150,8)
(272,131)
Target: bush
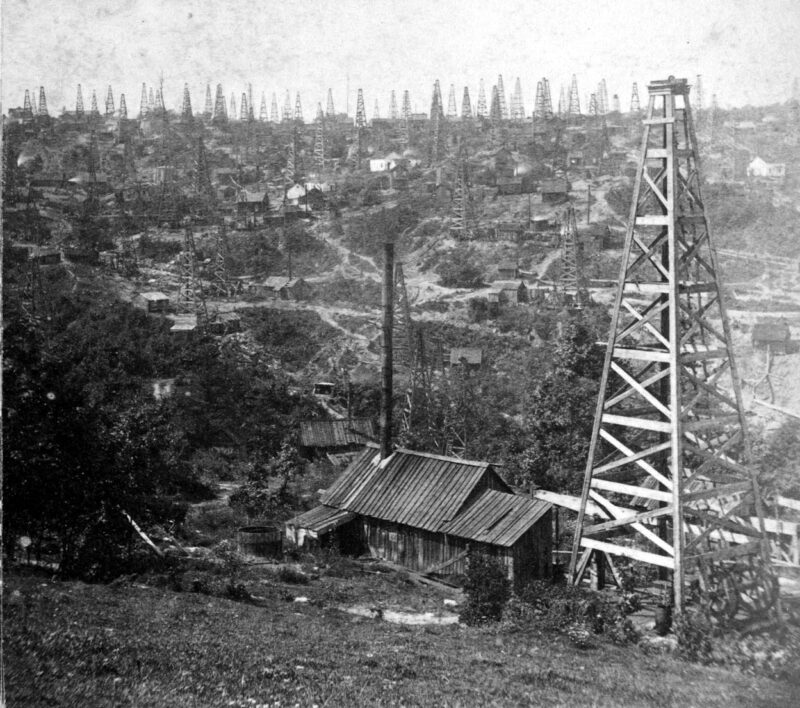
(487,588)
(287,574)
(693,631)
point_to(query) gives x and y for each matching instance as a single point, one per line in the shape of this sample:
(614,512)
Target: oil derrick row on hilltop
(94,110)
(393,112)
(151,101)
(244,108)
(667,468)
(42,109)
(543,108)
(298,108)
(123,107)
(602,98)
(406,114)
(482,110)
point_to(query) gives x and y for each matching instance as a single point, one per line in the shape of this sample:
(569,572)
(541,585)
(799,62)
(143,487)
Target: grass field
(128,644)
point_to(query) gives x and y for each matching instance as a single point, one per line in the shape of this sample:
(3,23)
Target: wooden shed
(154,301)
(772,335)
(513,292)
(335,436)
(424,511)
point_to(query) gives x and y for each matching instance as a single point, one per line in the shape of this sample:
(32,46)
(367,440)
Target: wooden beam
(641,423)
(619,488)
(634,553)
(567,501)
(627,520)
(745,549)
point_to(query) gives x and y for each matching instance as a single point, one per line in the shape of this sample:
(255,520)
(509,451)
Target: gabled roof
(321,519)
(412,488)
(335,433)
(497,518)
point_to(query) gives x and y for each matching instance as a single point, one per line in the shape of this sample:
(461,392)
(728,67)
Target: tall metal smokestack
(388,325)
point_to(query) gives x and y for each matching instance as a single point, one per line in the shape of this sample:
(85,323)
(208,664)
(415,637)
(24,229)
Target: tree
(461,269)
(559,413)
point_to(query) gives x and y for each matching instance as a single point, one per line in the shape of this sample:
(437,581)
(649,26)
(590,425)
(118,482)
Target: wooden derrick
(669,449)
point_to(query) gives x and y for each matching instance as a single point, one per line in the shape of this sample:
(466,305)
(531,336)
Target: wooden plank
(618,512)
(788,502)
(641,354)
(745,549)
(634,553)
(441,566)
(627,520)
(658,121)
(631,457)
(608,486)
(725,491)
(656,153)
(641,423)
(142,534)
(567,501)
(641,390)
(776,526)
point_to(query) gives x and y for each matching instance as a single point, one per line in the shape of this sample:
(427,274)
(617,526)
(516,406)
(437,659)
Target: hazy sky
(748,51)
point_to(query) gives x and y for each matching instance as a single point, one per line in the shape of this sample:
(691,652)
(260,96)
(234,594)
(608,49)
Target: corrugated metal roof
(321,519)
(497,518)
(335,433)
(412,488)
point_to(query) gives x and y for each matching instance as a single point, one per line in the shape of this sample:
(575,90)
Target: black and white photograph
(400,353)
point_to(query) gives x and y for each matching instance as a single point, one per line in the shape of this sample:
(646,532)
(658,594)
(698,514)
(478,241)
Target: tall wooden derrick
(635,105)
(406,111)
(263,115)
(186,107)
(466,105)
(593,107)
(319,145)
(574,104)
(292,160)
(436,150)
(123,107)
(452,110)
(27,107)
(298,108)
(220,278)
(244,108)
(191,300)
(286,115)
(79,110)
(602,98)
(562,103)
(42,107)
(462,226)
(220,114)
(501,96)
(482,109)
(94,110)
(143,106)
(517,104)
(571,278)
(360,128)
(109,103)
(208,108)
(320,116)
(273,109)
(202,183)
(394,113)
(329,110)
(667,464)
(410,355)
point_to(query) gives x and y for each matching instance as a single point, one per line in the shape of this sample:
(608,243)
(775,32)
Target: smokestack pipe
(388,325)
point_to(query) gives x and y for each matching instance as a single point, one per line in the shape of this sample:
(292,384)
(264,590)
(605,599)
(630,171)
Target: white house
(768,170)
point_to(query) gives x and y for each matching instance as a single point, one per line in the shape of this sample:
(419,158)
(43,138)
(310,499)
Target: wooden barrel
(260,541)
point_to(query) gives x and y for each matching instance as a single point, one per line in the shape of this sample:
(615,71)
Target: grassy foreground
(125,644)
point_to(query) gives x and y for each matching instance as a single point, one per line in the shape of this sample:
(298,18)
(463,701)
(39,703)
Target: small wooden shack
(321,437)
(512,292)
(774,336)
(154,301)
(424,511)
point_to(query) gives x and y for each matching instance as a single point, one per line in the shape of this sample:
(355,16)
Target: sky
(747,51)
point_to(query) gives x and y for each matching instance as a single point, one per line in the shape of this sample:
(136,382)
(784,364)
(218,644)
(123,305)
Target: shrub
(693,631)
(487,588)
(287,574)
